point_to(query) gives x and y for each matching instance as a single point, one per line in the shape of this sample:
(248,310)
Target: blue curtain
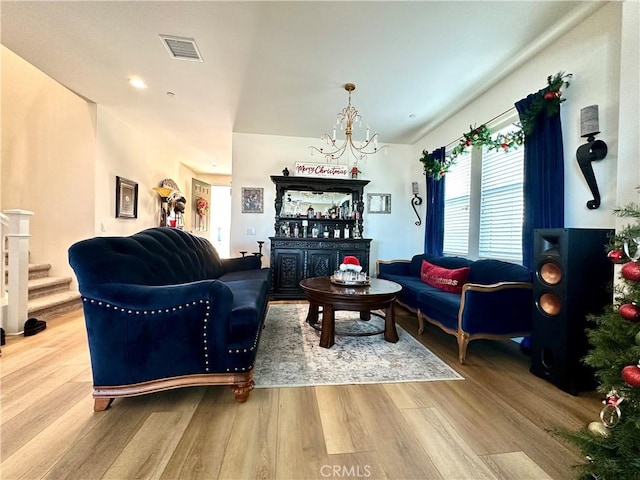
(543,177)
(434,219)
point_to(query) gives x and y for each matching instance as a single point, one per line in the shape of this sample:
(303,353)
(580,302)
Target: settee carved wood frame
(241,385)
(463,337)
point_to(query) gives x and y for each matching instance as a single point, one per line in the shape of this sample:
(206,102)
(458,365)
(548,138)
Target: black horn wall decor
(591,151)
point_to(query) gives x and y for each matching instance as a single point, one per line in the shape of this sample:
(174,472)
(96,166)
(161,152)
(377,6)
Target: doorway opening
(221,219)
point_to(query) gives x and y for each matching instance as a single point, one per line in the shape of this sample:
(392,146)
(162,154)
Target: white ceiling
(278,68)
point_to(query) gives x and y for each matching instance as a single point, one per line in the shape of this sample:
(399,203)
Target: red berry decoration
(630,312)
(631,271)
(616,256)
(549,96)
(631,375)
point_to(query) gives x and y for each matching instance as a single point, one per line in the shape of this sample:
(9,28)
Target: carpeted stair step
(39,287)
(36,270)
(39,270)
(49,306)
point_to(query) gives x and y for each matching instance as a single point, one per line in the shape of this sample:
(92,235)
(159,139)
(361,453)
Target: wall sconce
(416,200)
(591,151)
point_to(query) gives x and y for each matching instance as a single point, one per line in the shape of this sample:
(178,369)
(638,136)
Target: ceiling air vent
(181,48)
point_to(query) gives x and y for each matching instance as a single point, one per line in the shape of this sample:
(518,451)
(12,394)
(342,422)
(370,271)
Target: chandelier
(346,120)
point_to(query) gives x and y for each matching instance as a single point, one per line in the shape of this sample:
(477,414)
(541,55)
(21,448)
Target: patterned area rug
(289,353)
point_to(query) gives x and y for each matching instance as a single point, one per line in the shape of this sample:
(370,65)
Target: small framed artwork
(378,203)
(126,198)
(252,200)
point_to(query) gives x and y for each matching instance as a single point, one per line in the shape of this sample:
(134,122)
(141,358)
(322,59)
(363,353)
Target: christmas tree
(611,444)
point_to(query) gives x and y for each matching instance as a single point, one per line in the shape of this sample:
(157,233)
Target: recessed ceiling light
(171,94)
(214,164)
(137,82)
(413,115)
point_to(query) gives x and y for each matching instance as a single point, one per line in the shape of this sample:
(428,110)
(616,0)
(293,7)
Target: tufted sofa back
(485,272)
(445,262)
(156,256)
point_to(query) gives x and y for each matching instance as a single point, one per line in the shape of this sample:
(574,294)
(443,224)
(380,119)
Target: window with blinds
(483,206)
(457,192)
(501,205)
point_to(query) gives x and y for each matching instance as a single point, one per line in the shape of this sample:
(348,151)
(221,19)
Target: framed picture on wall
(126,198)
(252,200)
(378,203)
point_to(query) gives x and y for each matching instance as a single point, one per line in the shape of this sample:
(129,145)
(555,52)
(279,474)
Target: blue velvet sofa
(496,300)
(164,311)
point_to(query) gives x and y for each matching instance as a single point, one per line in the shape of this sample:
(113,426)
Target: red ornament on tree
(630,312)
(616,256)
(549,96)
(631,375)
(631,271)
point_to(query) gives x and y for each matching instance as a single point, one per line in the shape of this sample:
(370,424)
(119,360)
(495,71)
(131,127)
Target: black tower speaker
(572,278)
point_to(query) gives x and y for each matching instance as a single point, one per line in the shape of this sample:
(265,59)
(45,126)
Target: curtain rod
(485,123)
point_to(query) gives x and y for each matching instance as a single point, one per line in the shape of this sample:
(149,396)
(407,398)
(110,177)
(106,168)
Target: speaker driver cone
(550,304)
(550,273)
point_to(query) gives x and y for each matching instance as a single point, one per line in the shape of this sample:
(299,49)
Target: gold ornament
(597,428)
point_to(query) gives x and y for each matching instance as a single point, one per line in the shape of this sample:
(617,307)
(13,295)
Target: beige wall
(221,180)
(48,152)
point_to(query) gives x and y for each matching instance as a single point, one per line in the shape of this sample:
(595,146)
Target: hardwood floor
(494,424)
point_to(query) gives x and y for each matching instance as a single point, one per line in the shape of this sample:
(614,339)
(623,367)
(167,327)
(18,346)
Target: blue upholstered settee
(496,300)
(163,311)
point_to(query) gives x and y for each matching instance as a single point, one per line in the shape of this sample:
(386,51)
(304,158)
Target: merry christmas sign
(321,170)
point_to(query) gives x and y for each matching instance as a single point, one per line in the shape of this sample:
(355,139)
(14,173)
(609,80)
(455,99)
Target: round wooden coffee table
(378,295)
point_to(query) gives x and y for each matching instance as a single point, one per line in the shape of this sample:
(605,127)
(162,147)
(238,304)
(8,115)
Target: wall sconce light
(416,200)
(591,151)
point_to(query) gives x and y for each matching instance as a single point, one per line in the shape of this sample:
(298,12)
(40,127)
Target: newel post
(18,247)
(4,226)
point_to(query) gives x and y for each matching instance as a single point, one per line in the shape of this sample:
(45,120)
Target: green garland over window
(546,101)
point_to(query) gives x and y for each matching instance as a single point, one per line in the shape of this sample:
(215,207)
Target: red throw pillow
(445,279)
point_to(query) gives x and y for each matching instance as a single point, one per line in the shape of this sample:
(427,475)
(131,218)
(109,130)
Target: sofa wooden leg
(420,322)
(242,390)
(101,404)
(463,343)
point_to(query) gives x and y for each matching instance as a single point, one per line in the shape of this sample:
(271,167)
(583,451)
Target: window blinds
(457,206)
(501,205)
